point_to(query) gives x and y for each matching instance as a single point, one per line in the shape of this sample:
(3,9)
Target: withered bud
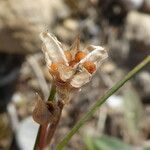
(45,112)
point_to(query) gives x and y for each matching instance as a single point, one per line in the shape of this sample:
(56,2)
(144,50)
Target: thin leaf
(99,102)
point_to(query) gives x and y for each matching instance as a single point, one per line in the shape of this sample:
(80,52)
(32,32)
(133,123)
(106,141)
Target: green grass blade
(94,108)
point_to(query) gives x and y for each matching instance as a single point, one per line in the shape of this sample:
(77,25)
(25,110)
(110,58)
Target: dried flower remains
(72,68)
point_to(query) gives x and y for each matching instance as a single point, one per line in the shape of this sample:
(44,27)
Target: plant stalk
(42,137)
(40,134)
(53,126)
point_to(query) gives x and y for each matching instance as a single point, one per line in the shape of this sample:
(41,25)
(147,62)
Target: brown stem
(38,137)
(53,126)
(42,137)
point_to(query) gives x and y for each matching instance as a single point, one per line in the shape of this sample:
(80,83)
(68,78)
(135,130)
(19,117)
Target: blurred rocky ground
(120,26)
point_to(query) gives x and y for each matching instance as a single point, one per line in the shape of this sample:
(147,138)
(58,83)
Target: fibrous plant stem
(42,129)
(42,137)
(53,126)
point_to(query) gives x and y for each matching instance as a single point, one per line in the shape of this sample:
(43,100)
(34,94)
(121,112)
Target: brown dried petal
(53,109)
(41,114)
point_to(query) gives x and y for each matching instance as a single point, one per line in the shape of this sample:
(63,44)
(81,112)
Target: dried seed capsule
(72,63)
(89,66)
(54,67)
(79,55)
(68,55)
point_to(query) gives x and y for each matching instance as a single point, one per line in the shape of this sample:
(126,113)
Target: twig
(39,136)
(53,126)
(42,137)
(95,107)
